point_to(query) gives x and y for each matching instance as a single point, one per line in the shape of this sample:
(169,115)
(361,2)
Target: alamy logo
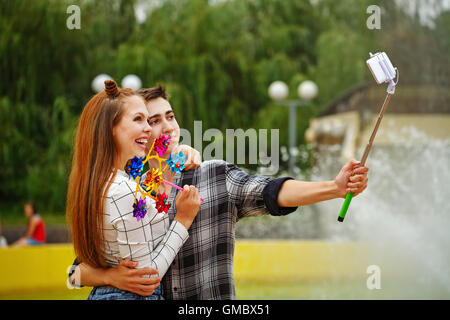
(374,20)
(257,146)
(74,20)
(374,280)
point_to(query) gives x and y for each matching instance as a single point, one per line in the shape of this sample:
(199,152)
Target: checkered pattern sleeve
(148,241)
(246,191)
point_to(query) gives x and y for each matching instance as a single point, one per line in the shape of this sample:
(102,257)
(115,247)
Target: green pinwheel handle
(345,205)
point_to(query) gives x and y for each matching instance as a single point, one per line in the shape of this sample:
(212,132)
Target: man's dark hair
(153,93)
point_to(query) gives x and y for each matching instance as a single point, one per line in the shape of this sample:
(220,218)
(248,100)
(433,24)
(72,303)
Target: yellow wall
(35,268)
(287,260)
(45,267)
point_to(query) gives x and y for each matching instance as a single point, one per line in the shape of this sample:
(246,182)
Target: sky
(428,9)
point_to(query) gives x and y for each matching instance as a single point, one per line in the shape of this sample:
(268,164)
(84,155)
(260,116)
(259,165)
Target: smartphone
(381,67)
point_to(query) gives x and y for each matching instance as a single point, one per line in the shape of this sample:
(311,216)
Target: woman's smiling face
(132,133)
(162,120)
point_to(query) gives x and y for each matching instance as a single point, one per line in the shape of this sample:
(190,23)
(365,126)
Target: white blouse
(151,242)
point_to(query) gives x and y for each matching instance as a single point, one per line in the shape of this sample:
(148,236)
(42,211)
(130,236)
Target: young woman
(35,233)
(114,128)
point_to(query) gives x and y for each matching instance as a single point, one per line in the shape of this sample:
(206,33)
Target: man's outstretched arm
(299,193)
(124,276)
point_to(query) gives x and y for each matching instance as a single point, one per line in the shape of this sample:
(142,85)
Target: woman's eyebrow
(139,114)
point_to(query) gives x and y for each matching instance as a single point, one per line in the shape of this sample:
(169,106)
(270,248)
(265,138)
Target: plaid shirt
(203,268)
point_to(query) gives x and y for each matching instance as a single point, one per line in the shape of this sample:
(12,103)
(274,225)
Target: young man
(203,268)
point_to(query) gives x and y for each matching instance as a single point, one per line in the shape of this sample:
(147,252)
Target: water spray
(384,72)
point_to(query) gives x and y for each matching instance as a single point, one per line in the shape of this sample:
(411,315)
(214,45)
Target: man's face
(162,120)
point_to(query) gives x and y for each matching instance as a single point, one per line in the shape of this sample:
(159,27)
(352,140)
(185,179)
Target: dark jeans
(111,293)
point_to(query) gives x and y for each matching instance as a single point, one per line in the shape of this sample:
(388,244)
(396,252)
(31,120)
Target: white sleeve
(136,239)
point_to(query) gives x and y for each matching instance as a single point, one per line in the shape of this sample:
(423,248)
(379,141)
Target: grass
(15,219)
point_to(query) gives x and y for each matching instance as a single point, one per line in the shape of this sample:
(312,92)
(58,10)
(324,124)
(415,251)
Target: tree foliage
(216,58)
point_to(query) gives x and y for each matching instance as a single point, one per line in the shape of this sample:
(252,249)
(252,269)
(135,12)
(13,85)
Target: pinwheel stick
(177,187)
(148,154)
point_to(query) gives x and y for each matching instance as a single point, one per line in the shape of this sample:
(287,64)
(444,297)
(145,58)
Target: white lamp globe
(307,90)
(278,90)
(98,84)
(132,81)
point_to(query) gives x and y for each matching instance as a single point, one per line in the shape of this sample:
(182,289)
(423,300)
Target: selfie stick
(383,72)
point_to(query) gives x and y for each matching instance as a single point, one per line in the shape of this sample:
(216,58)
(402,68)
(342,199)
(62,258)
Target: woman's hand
(351,179)
(193,157)
(126,277)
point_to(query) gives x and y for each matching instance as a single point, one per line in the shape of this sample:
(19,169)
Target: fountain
(403,217)
(400,224)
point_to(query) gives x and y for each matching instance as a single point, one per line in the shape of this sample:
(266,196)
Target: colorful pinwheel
(176,162)
(153,179)
(162,203)
(134,167)
(161,144)
(139,209)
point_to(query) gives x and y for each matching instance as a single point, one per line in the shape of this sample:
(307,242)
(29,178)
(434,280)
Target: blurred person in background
(35,234)
(3,242)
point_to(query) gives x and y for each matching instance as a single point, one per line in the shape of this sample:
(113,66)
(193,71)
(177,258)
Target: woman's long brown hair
(92,166)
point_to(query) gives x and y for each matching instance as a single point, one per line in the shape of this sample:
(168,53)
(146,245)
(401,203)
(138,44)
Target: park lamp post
(98,83)
(278,91)
(130,81)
